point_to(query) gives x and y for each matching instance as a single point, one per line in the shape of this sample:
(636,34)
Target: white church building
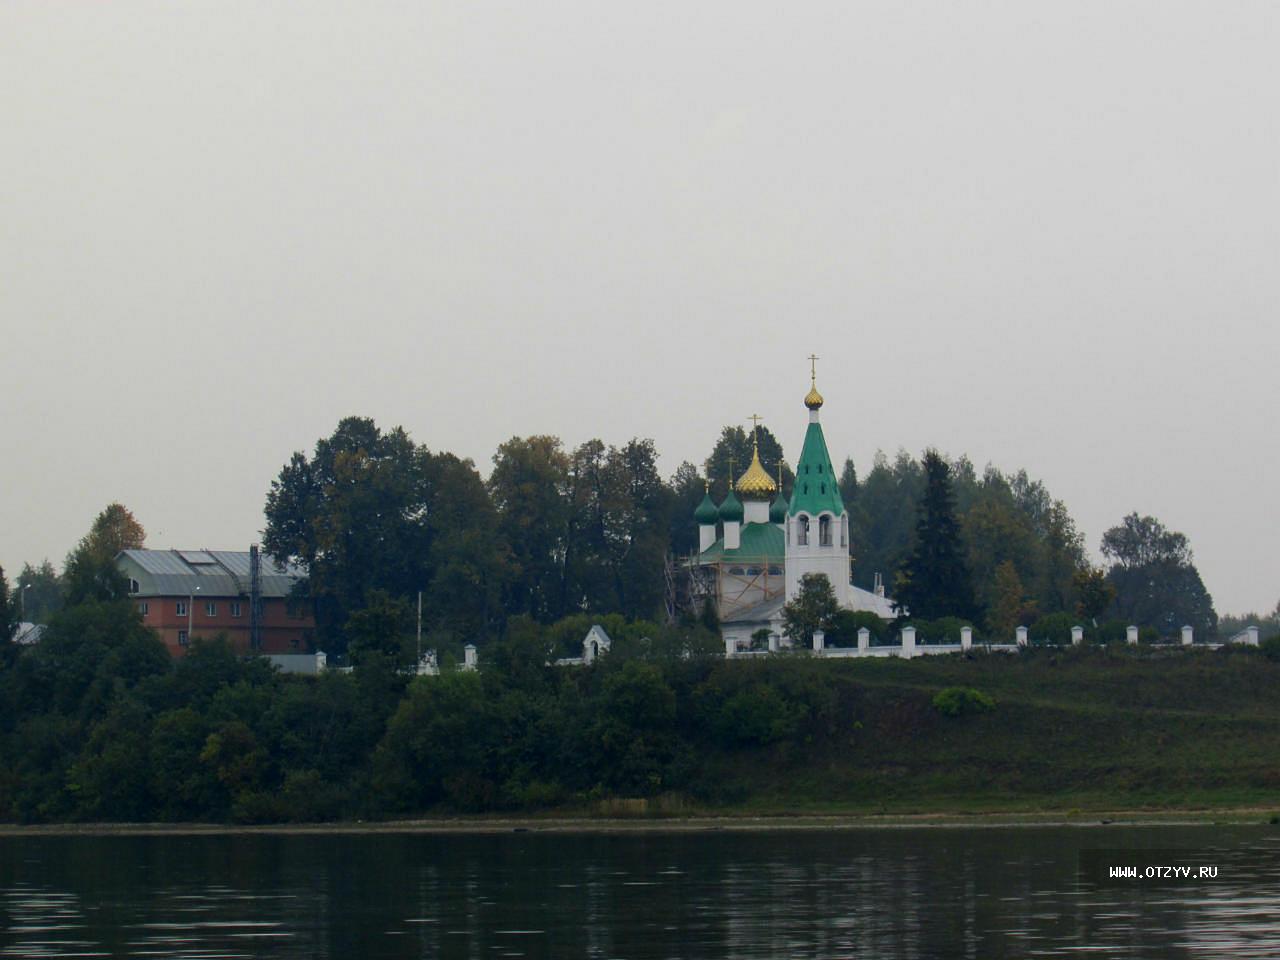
(753,551)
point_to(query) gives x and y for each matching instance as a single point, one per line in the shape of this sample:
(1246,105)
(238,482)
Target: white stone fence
(909,646)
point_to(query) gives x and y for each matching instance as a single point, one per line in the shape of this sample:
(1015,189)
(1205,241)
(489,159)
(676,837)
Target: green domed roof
(731,509)
(706,512)
(778,509)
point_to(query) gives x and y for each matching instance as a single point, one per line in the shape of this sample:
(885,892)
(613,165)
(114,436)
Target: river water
(885,893)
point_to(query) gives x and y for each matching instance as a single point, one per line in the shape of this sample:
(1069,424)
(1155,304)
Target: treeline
(98,723)
(373,518)
(553,532)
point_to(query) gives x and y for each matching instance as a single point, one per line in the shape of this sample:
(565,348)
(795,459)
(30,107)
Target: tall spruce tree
(934,581)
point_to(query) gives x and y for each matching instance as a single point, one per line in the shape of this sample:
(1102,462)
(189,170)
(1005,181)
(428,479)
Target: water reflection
(891,893)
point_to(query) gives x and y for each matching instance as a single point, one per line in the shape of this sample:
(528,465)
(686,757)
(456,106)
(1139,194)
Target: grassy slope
(1084,729)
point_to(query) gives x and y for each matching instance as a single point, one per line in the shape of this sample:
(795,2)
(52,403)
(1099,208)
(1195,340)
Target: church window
(802,532)
(753,571)
(735,571)
(824,531)
(775,570)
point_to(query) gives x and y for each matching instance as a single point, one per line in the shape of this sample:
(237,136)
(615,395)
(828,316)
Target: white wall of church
(832,561)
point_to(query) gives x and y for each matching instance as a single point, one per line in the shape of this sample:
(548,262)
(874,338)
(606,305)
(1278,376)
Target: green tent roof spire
(815,490)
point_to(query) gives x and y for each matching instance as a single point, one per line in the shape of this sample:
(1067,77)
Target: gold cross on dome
(813,367)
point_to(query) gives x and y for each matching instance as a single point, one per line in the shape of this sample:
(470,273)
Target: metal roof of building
(761,612)
(214,573)
(881,606)
(762,542)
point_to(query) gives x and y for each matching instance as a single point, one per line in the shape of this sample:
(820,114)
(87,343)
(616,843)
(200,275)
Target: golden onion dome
(755,483)
(813,399)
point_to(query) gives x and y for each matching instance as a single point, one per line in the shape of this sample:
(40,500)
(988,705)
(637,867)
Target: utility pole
(417,664)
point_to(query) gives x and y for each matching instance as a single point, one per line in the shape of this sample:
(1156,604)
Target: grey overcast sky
(1046,235)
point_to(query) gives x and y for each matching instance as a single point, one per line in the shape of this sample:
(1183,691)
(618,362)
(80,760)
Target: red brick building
(185,594)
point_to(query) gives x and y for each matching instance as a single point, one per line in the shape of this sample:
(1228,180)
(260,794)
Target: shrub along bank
(96,724)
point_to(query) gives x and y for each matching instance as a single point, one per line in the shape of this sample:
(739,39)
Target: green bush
(1054,629)
(1270,648)
(958,701)
(943,630)
(843,631)
(1112,630)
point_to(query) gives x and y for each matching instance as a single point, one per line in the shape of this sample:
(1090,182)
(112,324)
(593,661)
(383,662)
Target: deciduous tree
(1156,582)
(813,608)
(90,573)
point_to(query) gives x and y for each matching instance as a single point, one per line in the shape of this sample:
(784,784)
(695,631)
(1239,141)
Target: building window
(182,638)
(180,608)
(133,585)
(144,608)
(294,611)
(235,608)
(210,609)
(824,531)
(802,532)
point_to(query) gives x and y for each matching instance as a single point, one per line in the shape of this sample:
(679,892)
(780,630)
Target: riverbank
(1046,736)
(690,824)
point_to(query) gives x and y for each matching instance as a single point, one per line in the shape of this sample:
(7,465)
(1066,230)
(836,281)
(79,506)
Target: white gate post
(908,642)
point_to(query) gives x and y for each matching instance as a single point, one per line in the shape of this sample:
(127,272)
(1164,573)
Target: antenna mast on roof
(255,599)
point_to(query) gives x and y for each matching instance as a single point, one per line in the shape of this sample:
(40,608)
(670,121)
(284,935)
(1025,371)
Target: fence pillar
(1188,636)
(966,638)
(1131,634)
(774,642)
(819,641)
(1077,636)
(469,659)
(730,648)
(908,642)
(864,639)
(1020,635)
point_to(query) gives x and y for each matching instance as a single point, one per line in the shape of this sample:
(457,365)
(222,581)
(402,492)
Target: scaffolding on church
(731,586)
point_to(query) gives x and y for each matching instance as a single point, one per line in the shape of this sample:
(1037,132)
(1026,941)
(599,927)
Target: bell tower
(817,524)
